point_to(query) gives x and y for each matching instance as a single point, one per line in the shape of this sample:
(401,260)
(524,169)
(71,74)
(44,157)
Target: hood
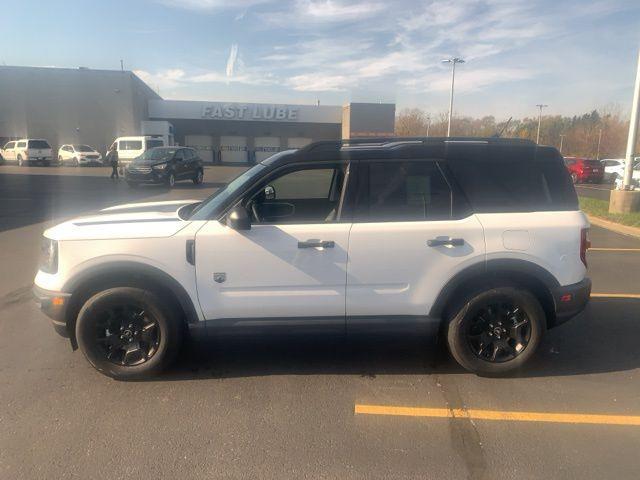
(132,220)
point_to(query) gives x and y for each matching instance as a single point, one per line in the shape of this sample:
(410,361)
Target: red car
(583,170)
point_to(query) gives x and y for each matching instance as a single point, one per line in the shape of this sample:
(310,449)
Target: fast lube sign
(255,112)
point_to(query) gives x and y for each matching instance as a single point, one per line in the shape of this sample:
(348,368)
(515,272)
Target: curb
(615,227)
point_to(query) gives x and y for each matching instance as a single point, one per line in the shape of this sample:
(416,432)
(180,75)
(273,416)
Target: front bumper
(151,177)
(570,300)
(53,305)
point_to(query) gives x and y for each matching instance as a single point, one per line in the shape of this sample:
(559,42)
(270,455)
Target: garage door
(265,147)
(233,149)
(298,142)
(203,144)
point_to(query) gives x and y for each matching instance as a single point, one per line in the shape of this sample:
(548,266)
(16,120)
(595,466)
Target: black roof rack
(391,142)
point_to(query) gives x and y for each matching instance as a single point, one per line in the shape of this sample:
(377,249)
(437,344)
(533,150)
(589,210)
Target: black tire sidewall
(163,313)
(459,347)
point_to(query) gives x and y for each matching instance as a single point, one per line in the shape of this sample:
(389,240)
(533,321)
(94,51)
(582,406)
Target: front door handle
(317,244)
(438,242)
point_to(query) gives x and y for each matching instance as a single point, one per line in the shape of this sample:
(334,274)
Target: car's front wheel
(171,180)
(128,333)
(496,331)
(197,180)
(20,161)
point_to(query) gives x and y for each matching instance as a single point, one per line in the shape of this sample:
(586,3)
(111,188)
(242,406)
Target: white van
(132,147)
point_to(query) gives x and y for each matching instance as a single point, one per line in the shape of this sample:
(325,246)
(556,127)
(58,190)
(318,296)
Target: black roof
(446,148)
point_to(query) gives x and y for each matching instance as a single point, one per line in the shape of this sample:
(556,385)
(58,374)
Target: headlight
(48,256)
(162,166)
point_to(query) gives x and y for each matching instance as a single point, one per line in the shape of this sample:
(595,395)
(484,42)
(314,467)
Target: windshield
(207,209)
(157,154)
(83,148)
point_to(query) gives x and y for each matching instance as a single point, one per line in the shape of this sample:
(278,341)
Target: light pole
(561,141)
(599,141)
(633,131)
(428,124)
(540,106)
(453,61)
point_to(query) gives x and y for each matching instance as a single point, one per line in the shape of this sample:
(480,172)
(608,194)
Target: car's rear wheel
(128,333)
(496,331)
(20,161)
(197,180)
(574,178)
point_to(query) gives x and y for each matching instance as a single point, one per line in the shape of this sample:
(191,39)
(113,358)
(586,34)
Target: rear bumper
(53,305)
(570,300)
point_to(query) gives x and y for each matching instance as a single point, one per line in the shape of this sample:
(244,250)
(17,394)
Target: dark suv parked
(165,165)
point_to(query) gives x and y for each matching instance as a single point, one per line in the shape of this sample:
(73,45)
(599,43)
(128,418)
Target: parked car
(78,155)
(614,169)
(27,151)
(130,148)
(8,152)
(166,165)
(481,241)
(583,170)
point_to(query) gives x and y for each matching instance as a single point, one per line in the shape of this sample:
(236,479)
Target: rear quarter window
(130,145)
(515,180)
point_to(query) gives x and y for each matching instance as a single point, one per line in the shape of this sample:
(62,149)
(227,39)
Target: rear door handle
(317,244)
(438,242)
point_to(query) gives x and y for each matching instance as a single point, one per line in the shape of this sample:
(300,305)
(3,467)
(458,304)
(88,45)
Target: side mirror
(238,219)
(269,192)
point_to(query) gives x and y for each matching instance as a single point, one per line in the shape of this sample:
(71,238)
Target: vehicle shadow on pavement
(602,339)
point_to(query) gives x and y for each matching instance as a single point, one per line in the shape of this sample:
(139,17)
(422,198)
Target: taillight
(585,244)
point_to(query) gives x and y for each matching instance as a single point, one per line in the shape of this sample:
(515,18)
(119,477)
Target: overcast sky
(575,55)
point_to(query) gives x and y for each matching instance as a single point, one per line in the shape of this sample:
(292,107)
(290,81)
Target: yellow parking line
(615,295)
(605,249)
(579,418)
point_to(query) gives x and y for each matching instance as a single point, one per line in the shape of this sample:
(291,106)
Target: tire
(472,333)
(60,161)
(151,339)
(171,180)
(197,180)
(574,178)
(75,163)
(20,161)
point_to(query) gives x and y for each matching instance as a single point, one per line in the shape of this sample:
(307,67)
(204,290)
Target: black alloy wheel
(498,332)
(127,334)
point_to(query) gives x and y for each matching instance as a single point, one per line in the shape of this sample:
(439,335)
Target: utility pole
(428,124)
(540,106)
(121,65)
(633,132)
(453,61)
(599,141)
(561,141)
(626,200)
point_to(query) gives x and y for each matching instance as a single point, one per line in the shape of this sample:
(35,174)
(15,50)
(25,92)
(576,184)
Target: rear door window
(130,145)
(21,144)
(154,142)
(407,191)
(9,145)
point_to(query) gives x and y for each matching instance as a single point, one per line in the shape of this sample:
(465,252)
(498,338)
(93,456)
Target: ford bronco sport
(480,241)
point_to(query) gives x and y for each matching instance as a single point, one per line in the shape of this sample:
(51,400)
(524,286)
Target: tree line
(578,135)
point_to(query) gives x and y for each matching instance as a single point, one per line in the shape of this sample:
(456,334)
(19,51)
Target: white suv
(478,240)
(78,155)
(28,150)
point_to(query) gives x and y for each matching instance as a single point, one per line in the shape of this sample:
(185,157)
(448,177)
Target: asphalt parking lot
(314,408)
